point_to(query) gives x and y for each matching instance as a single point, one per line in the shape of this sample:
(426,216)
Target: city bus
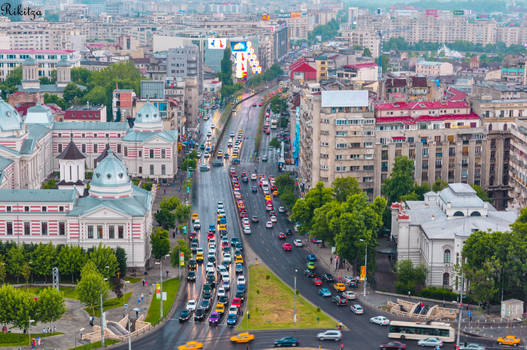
(421,330)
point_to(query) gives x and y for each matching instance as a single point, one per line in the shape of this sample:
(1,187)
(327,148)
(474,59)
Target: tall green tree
(44,260)
(165,218)
(226,68)
(120,255)
(345,186)
(90,288)
(160,243)
(409,276)
(366,52)
(72,93)
(303,210)
(105,260)
(3,271)
(15,261)
(482,194)
(401,181)
(180,247)
(50,305)
(71,259)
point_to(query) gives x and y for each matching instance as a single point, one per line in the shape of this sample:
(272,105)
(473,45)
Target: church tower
(30,78)
(71,163)
(63,73)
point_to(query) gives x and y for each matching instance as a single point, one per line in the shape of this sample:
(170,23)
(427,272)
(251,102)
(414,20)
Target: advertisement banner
(217,43)
(458,12)
(238,46)
(431,12)
(266,17)
(362,272)
(296,14)
(182,259)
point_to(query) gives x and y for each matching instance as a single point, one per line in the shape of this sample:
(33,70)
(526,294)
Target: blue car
(212,228)
(231,320)
(311,257)
(324,292)
(241,288)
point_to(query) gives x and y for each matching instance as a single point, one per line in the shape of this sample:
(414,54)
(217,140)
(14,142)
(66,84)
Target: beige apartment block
(336,137)
(518,165)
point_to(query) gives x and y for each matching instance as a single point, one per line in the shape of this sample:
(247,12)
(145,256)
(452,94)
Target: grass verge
(20,339)
(171,287)
(271,305)
(95,345)
(68,292)
(259,132)
(110,304)
(133,279)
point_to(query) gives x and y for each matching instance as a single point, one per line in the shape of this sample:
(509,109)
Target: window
(140,170)
(94,148)
(163,169)
(59,146)
(119,148)
(83,148)
(125,151)
(111,232)
(90,231)
(446,256)
(27,228)
(8,208)
(44,209)
(446,279)
(140,154)
(61,208)
(9,228)
(120,230)
(163,153)
(459,213)
(44,229)
(26,209)
(151,153)
(151,169)
(62,228)
(99,231)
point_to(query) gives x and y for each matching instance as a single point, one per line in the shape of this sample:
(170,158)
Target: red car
(392,345)
(233,173)
(244,174)
(192,235)
(225,244)
(210,235)
(243,215)
(236,302)
(282,236)
(317,281)
(287,247)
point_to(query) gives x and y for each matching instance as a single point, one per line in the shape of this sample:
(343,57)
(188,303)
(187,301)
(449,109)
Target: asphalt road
(213,186)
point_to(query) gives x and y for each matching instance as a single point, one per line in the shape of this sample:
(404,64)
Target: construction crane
(380,33)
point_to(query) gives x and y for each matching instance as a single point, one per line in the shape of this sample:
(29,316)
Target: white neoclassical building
(432,232)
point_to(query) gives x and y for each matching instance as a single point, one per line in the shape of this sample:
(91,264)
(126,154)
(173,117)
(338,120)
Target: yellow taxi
(191,345)
(199,257)
(219,218)
(275,193)
(195,216)
(220,308)
(509,340)
(339,286)
(267,197)
(222,227)
(244,337)
(238,259)
(220,154)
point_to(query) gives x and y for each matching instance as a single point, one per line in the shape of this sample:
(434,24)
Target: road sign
(185,229)
(126,306)
(362,272)
(164,296)
(188,189)
(181,259)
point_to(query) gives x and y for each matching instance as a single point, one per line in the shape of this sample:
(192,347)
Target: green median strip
(95,345)
(110,304)
(133,280)
(20,339)
(271,305)
(171,287)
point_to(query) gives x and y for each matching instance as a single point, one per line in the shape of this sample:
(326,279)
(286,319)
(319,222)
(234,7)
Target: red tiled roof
(453,94)
(426,118)
(419,82)
(417,105)
(304,67)
(395,82)
(361,65)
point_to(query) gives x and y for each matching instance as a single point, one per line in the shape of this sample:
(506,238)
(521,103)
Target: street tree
(303,210)
(483,286)
(25,272)
(482,194)
(275,143)
(50,305)
(165,218)
(104,258)
(21,308)
(3,270)
(15,261)
(439,185)
(288,198)
(345,186)
(409,277)
(160,243)
(120,255)
(181,246)
(44,259)
(401,181)
(71,259)
(90,288)
(326,221)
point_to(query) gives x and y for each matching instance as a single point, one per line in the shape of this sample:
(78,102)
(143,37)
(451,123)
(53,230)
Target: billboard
(266,17)
(458,12)
(217,43)
(238,46)
(296,14)
(431,12)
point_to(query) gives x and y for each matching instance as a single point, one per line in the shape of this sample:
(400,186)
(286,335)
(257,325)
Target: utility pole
(102,324)
(294,319)
(365,267)
(460,310)
(161,286)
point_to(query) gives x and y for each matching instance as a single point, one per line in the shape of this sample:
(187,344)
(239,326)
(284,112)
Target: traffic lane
(268,246)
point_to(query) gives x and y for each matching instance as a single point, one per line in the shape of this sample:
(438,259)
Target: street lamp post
(75,337)
(102,315)
(128,316)
(294,319)
(29,330)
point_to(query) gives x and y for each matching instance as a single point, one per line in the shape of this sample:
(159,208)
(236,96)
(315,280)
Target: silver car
(331,334)
(472,346)
(432,341)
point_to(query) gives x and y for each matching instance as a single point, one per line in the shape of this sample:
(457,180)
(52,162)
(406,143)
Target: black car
(254,189)
(223,299)
(234,240)
(191,276)
(239,246)
(184,316)
(240,294)
(255,219)
(199,315)
(245,179)
(309,273)
(339,300)
(207,295)
(205,304)
(289,232)
(286,341)
(194,247)
(211,259)
(192,264)
(327,277)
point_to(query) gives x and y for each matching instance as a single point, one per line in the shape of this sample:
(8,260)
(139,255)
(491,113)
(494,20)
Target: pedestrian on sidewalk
(143,283)
(142,297)
(331,260)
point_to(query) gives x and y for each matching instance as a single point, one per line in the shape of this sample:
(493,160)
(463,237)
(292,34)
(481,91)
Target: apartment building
(85,113)
(337,136)
(123,100)
(361,37)
(434,69)
(183,61)
(33,35)
(518,164)
(357,72)
(444,139)
(46,60)
(498,117)
(298,27)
